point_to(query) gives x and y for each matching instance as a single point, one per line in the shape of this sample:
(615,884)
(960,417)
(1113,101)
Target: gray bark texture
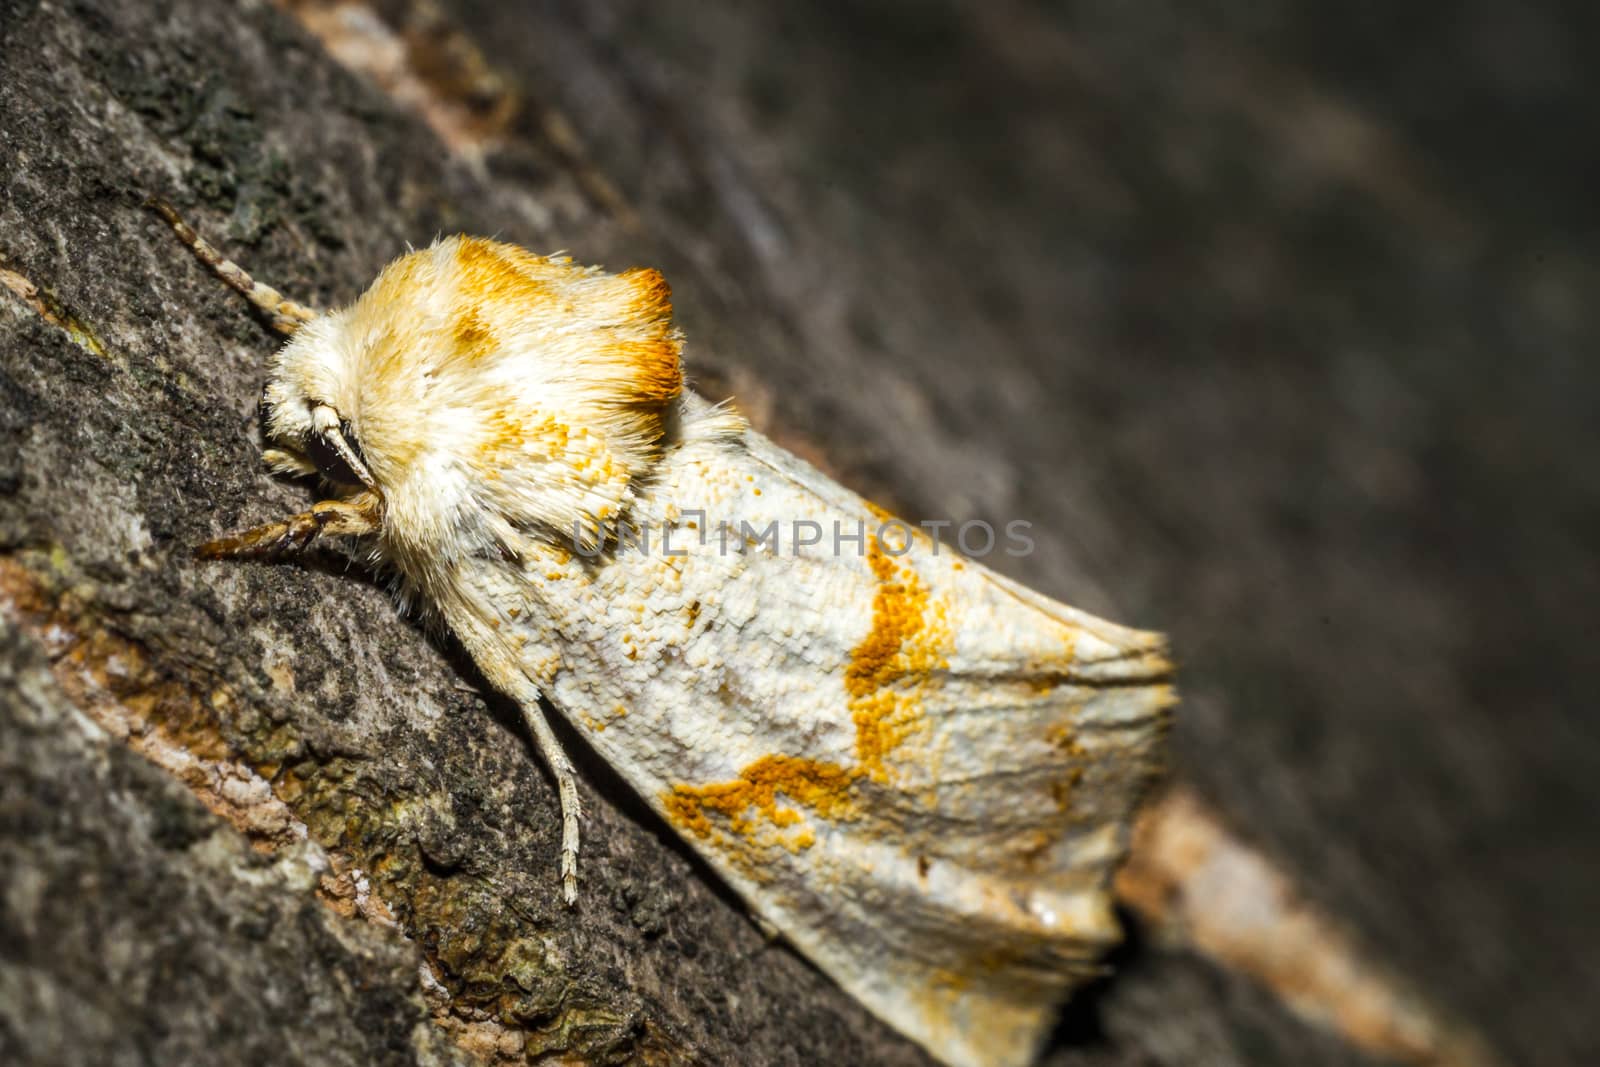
(1271,319)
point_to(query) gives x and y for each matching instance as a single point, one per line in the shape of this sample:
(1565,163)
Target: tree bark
(1267,358)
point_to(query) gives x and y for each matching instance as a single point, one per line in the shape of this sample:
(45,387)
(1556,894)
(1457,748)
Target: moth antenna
(285,315)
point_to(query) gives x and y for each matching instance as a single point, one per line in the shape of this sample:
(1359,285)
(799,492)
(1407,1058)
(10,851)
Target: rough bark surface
(1272,324)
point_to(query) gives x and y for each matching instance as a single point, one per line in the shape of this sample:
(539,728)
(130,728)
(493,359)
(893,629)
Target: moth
(918,771)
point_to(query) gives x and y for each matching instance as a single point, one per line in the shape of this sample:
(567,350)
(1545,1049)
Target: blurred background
(1280,319)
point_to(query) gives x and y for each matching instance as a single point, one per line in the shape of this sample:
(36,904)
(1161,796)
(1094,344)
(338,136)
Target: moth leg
(285,315)
(290,536)
(567,786)
(503,672)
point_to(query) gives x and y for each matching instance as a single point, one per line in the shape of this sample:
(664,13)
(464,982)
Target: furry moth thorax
(479,390)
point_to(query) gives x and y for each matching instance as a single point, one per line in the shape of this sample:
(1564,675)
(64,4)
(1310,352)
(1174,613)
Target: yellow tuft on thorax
(503,290)
(498,390)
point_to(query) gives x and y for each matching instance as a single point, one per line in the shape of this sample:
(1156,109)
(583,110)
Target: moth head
(483,390)
(305,403)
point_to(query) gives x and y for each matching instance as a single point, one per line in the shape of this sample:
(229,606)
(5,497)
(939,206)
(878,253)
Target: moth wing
(921,772)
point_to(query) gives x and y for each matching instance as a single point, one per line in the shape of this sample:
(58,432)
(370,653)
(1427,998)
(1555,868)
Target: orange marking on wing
(888,672)
(891,665)
(751,807)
